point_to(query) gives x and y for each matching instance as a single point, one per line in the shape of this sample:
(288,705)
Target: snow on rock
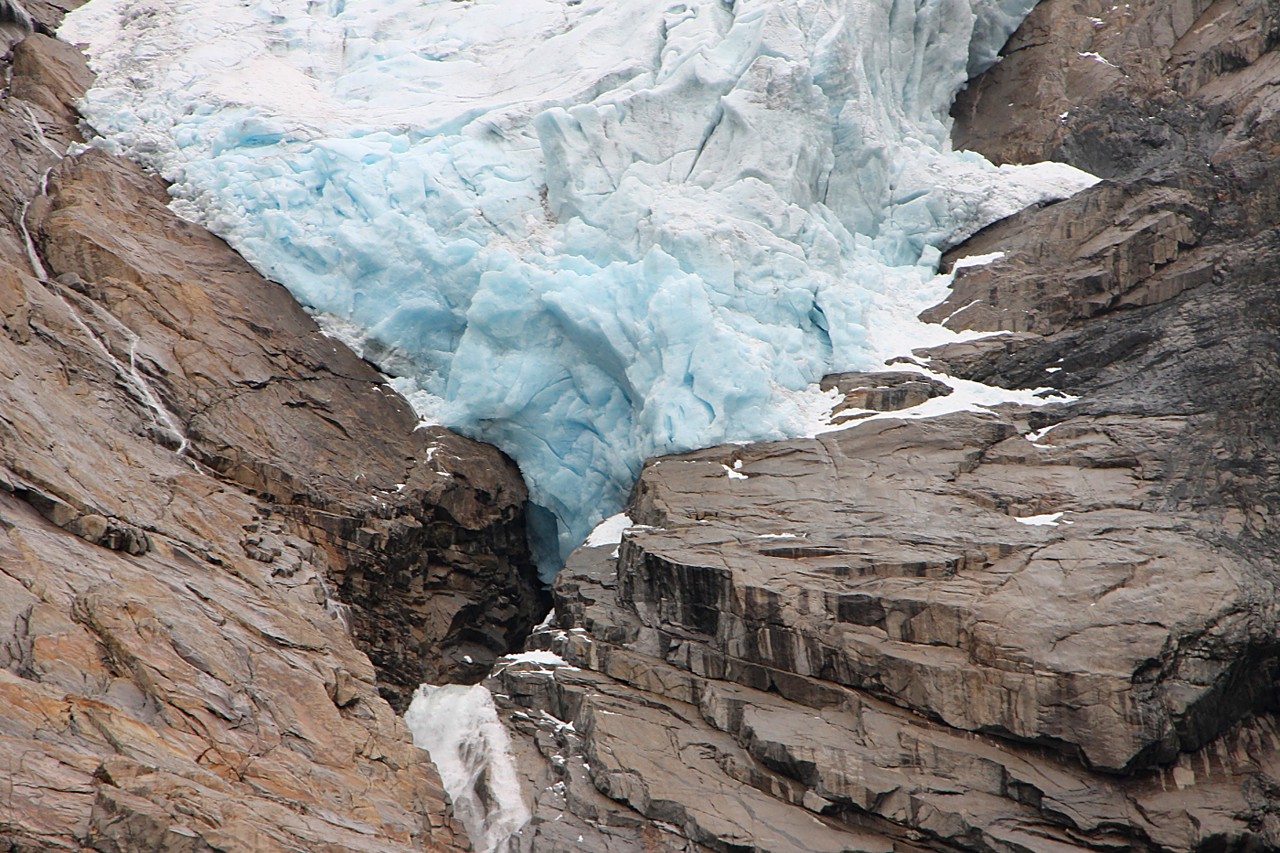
(965,396)
(977,260)
(609,531)
(1037,436)
(588,232)
(539,657)
(459,726)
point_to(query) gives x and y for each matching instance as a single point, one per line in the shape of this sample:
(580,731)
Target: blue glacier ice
(588,231)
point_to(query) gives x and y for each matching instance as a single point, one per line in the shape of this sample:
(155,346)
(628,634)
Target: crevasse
(588,231)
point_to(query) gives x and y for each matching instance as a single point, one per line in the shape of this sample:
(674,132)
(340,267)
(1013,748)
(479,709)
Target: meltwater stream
(588,231)
(163,422)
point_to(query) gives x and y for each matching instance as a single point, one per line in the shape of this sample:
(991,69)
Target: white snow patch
(609,531)
(1035,436)
(1097,57)
(733,473)
(977,260)
(557,722)
(966,396)
(1046,520)
(541,657)
(459,726)
(959,310)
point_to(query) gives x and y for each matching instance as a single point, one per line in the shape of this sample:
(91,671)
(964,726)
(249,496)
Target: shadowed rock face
(1172,103)
(202,498)
(898,559)
(1044,629)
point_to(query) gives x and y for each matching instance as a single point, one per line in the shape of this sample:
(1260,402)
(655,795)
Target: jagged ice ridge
(586,231)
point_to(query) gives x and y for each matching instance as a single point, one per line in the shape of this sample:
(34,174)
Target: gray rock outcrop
(1029,629)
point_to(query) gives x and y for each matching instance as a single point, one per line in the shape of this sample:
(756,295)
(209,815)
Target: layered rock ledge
(1027,629)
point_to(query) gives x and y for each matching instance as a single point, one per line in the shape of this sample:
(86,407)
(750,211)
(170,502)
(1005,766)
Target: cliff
(228,551)
(1028,629)
(211,517)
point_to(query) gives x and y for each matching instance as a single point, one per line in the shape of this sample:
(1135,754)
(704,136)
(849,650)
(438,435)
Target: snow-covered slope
(587,231)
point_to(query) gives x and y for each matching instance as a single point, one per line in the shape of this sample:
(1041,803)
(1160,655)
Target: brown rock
(423,530)
(986,623)
(768,627)
(1151,96)
(199,492)
(880,392)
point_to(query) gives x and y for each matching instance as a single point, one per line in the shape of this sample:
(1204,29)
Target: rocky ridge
(1031,629)
(202,500)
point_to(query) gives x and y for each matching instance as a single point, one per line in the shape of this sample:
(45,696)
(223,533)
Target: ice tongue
(589,231)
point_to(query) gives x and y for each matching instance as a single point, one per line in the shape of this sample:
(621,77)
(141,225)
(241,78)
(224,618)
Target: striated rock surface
(1173,103)
(1048,629)
(202,499)
(934,633)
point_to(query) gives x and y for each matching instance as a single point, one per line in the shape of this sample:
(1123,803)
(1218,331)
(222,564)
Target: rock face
(202,498)
(1033,629)
(880,392)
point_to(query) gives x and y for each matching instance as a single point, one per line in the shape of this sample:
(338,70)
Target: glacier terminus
(588,232)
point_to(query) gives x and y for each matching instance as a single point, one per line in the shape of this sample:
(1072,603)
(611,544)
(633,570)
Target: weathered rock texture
(199,492)
(1042,629)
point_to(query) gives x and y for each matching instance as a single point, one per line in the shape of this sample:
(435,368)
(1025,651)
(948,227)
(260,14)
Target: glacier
(588,232)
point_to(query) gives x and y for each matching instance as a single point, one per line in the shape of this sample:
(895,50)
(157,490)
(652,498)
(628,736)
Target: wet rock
(422,530)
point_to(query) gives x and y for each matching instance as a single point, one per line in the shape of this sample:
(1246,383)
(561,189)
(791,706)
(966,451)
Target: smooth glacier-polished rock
(862,630)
